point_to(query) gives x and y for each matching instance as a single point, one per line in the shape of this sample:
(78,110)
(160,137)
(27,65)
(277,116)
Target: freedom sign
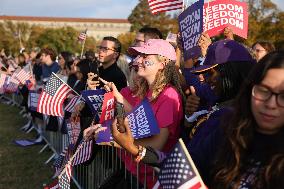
(142,123)
(94,99)
(191,27)
(108,107)
(73,130)
(224,13)
(33,100)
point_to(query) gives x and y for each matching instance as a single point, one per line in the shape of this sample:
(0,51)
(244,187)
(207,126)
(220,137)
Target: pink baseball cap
(156,47)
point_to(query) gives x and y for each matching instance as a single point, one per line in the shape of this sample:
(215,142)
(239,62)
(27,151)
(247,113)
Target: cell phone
(120,116)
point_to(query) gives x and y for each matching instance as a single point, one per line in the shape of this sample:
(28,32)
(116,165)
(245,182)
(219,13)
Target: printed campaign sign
(108,107)
(73,130)
(223,13)
(142,123)
(191,27)
(94,99)
(33,100)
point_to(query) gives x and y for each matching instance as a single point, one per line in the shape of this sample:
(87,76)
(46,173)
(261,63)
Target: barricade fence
(105,162)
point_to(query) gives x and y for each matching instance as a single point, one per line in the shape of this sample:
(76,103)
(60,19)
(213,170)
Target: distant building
(97,28)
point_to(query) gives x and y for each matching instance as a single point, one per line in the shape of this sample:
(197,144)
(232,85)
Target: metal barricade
(104,164)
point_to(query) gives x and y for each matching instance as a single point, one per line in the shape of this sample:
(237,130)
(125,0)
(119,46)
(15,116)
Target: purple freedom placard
(191,27)
(94,99)
(141,120)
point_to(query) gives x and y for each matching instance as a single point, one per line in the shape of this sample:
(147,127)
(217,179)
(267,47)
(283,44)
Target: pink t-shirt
(168,111)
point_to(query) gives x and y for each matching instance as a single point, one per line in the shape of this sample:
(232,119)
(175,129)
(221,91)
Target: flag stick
(191,162)
(83,45)
(71,159)
(65,83)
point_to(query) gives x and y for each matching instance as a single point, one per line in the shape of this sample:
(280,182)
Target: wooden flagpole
(83,45)
(71,159)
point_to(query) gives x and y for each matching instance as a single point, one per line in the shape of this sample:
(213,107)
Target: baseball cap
(156,47)
(224,51)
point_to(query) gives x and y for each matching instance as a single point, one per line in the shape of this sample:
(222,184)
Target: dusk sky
(76,8)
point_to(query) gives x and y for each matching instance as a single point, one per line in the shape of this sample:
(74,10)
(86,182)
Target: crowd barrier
(91,176)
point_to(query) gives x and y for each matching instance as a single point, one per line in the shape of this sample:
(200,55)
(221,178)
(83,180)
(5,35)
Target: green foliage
(60,39)
(126,40)
(265,22)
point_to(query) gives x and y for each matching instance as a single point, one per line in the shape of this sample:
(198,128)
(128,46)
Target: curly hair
(170,75)
(239,135)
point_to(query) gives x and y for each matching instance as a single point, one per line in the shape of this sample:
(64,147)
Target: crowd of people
(226,104)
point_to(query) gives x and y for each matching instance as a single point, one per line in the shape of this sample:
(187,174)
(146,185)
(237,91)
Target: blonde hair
(170,75)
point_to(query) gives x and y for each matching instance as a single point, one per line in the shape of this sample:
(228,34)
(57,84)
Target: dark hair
(50,52)
(90,54)
(231,76)
(117,44)
(153,33)
(269,47)
(68,58)
(239,135)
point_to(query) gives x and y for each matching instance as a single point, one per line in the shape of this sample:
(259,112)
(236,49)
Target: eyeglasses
(263,93)
(258,50)
(105,49)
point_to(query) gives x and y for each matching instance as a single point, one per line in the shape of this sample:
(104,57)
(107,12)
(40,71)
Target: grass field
(20,167)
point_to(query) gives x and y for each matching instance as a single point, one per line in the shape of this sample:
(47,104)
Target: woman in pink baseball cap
(160,82)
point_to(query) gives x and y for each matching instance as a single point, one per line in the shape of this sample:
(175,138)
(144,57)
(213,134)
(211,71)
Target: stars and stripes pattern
(62,160)
(64,179)
(157,6)
(73,102)
(179,171)
(23,76)
(82,36)
(52,97)
(11,85)
(84,153)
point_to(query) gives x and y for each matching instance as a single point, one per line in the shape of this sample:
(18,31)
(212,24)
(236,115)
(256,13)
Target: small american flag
(2,82)
(64,179)
(12,85)
(52,97)
(83,153)
(157,6)
(82,36)
(62,160)
(179,171)
(23,76)
(73,102)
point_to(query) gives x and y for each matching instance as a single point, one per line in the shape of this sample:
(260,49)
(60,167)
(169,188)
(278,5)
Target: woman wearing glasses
(261,48)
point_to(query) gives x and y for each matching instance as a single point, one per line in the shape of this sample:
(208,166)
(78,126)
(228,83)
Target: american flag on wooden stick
(52,97)
(23,76)
(82,36)
(178,170)
(65,178)
(83,153)
(157,6)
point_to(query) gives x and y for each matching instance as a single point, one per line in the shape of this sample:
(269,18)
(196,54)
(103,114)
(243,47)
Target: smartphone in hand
(120,116)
